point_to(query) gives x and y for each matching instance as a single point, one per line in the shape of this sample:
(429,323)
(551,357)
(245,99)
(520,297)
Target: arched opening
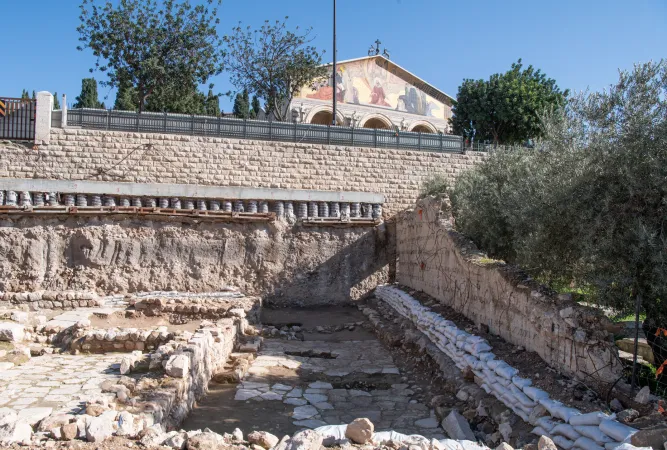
(421,129)
(322,118)
(377,123)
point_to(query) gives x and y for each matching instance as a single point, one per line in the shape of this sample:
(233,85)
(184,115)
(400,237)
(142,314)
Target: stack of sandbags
(567,427)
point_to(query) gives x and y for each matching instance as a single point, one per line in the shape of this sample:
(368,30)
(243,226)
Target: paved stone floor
(323,380)
(58,382)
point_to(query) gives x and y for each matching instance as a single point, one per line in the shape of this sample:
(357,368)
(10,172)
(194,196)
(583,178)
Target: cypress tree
(88,97)
(254,112)
(56,102)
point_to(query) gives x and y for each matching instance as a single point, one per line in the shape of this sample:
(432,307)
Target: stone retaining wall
(53,299)
(120,340)
(438,261)
(568,427)
(76,154)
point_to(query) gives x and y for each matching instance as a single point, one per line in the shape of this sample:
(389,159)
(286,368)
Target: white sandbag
(486,356)
(593,432)
(381,437)
(521,397)
(612,446)
(585,443)
(521,382)
(535,393)
(616,430)
(539,431)
(493,363)
(461,336)
(504,381)
(557,409)
(566,430)
(546,423)
(331,433)
(486,388)
(506,371)
(592,418)
(479,347)
(566,413)
(630,447)
(563,442)
(451,444)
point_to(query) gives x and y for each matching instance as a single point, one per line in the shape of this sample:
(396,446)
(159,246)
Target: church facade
(374,92)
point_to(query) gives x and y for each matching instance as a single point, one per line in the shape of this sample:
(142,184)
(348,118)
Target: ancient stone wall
(286,265)
(76,154)
(438,261)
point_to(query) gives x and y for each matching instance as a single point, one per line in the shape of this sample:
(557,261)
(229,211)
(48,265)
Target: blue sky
(580,43)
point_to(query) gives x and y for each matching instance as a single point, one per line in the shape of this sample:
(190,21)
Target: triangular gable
(377,82)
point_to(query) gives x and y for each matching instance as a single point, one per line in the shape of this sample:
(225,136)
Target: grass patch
(627,317)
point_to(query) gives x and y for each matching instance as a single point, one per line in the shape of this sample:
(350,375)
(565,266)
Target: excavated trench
(319,367)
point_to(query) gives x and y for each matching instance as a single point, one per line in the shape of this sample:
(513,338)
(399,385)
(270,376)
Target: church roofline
(398,66)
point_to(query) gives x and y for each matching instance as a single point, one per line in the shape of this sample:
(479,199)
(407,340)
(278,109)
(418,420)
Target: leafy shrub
(435,185)
(590,203)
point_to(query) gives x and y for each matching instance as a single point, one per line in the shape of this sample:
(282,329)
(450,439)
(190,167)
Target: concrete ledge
(185,191)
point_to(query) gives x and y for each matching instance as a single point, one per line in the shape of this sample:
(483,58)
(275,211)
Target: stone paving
(367,365)
(57,382)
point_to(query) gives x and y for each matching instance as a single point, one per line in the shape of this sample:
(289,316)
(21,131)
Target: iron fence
(17,118)
(261,130)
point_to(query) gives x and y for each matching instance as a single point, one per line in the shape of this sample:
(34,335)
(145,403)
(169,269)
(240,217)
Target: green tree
(25,95)
(159,47)
(56,102)
(273,62)
(88,97)
(505,109)
(126,97)
(241,109)
(589,206)
(34,95)
(177,98)
(212,105)
(255,107)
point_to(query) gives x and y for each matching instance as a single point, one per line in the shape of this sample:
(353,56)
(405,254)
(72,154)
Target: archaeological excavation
(202,306)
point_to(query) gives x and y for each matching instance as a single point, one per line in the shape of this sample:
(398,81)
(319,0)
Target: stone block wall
(438,261)
(77,154)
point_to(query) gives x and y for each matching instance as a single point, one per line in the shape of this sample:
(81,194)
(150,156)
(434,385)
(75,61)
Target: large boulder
(457,427)
(99,428)
(545,443)
(651,437)
(16,433)
(360,431)
(263,438)
(205,441)
(177,366)
(305,440)
(8,416)
(11,332)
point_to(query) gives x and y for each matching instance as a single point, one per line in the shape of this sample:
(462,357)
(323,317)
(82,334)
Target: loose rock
(360,431)
(545,443)
(263,439)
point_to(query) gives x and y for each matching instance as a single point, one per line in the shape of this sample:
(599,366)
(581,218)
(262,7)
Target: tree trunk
(658,343)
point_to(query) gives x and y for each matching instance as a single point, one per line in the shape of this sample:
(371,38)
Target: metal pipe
(333,120)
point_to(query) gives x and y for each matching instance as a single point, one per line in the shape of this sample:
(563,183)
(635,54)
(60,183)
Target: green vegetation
(88,97)
(56,102)
(586,210)
(158,52)
(273,62)
(241,107)
(435,185)
(505,109)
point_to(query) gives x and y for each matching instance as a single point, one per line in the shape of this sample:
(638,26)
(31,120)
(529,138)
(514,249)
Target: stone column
(43,118)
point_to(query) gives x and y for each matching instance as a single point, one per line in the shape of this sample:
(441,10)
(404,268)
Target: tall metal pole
(333,79)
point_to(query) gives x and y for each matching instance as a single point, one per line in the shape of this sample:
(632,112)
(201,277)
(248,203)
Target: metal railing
(17,118)
(262,130)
